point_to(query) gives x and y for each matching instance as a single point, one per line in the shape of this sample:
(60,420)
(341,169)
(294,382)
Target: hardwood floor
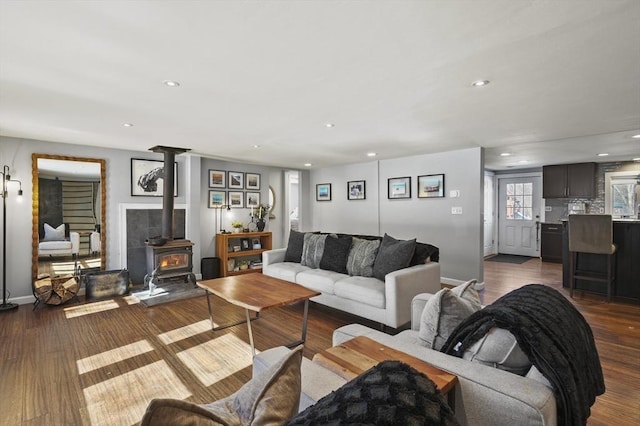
(100,363)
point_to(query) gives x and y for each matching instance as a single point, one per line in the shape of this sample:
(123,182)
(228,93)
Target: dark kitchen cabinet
(551,242)
(569,181)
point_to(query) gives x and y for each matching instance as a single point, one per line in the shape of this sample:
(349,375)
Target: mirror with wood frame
(68,217)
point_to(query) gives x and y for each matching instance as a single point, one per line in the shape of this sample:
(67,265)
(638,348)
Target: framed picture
(244,244)
(356,190)
(252,180)
(236,199)
(323,192)
(252,199)
(217,199)
(236,180)
(430,186)
(399,187)
(217,179)
(256,244)
(147,178)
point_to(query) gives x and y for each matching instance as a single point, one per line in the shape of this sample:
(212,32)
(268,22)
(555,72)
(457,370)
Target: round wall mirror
(272,202)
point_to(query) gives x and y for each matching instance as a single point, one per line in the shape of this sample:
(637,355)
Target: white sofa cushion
(55,245)
(286,270)
(365,290)
(319,280)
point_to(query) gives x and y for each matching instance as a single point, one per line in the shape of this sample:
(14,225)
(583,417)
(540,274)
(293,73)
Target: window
(520,201)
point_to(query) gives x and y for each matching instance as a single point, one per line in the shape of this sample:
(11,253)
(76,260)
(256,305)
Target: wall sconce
(6,179)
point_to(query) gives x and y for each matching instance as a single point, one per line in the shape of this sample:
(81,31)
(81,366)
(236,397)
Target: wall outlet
(601,210)
(456,210)
(548,208)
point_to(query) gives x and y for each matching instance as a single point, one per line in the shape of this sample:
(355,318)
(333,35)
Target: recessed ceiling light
(330,125)
(128,125)
(480,83)
(636,136)
(505,154)
(371,154)
(603,154)
(171,83)
(523,161)
(307,164)
(256,146)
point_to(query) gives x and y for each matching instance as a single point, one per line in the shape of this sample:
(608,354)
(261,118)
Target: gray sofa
(384,301)
(484,395)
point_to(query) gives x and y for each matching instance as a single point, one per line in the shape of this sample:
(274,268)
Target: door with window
(519,216)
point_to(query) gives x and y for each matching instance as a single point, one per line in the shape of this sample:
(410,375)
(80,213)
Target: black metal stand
(6,178)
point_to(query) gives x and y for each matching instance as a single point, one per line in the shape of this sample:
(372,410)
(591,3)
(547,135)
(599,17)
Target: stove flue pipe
(168,187)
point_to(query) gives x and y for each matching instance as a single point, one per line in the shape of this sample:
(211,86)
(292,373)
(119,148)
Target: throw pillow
(362,256)
(294,247)
(444,311)
(269,398)
(312,250)
(392,255)
(425,253)
(499,349)
(336,253)
(53,234)
(391,393)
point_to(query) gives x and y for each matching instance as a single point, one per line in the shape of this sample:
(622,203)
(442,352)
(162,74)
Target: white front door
(519,216)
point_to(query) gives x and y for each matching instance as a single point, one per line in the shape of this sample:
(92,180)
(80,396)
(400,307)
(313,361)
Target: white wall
(459,237)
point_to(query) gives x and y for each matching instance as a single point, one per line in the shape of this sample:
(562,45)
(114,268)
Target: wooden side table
(359,354)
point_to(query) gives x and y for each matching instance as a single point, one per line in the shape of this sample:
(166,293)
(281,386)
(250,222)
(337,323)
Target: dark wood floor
(81,363)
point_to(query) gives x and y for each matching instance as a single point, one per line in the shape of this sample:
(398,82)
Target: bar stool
(591,233)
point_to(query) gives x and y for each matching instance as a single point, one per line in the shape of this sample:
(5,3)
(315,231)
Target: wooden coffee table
(257,292)
(359,354)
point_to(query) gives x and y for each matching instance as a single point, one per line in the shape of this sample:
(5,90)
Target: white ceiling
(393,76)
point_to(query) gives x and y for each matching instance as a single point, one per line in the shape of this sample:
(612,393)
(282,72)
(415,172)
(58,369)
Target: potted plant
(237,226)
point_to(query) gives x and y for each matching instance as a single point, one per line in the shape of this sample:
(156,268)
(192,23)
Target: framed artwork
(253,199)
(236,199)
(323,192)
(399,187)
(217,199)
(217,179)
(244,243)
(252,180)
(430,186)
(236,180)
(356,190)
(147,178)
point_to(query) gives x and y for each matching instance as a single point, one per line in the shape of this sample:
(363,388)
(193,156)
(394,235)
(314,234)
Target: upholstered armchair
(59,241)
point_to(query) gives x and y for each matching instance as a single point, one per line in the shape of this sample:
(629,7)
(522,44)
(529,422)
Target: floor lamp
(6,178)
(218,215)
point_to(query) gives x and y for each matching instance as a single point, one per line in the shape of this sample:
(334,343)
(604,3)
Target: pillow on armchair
(54,234)
(271,397)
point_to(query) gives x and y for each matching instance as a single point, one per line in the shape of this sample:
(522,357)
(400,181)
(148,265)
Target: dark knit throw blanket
(555,337)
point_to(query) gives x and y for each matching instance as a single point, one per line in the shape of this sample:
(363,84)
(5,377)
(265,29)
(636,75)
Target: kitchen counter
(626,236)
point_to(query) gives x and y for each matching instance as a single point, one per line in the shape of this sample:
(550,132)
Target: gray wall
(459,237)
(430,220)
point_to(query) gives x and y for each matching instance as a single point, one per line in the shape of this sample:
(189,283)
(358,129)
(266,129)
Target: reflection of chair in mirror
(591,234)
(94,242)
(59,241)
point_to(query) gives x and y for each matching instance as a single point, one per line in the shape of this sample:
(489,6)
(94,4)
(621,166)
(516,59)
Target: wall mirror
(272,202)
(68,217)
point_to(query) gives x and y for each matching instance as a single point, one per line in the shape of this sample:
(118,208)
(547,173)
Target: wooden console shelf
(225,251)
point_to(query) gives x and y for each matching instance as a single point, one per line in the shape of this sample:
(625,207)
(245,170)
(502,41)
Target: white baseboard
(451,281)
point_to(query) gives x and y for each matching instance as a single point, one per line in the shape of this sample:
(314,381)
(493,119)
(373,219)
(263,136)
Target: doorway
(519,200)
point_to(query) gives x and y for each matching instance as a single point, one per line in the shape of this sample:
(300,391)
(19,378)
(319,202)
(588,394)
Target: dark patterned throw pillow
(391,393)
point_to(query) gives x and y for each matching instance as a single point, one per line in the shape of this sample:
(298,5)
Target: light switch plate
(456,210)
(548,208)
(454,193)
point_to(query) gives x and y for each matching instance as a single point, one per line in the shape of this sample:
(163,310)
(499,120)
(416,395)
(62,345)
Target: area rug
(168,293)
(508,258)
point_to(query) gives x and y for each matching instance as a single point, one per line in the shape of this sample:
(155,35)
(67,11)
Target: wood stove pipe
(167,187)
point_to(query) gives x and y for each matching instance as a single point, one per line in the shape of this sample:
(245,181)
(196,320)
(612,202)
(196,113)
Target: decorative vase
(237,230)
(260,224)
